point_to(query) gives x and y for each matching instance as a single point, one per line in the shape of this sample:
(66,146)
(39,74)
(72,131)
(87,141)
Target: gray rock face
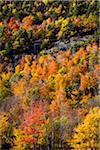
(68,44)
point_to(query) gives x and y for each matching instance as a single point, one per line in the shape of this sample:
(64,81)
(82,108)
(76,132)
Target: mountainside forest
(49,75)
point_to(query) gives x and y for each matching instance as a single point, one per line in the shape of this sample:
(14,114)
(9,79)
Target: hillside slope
(49,75)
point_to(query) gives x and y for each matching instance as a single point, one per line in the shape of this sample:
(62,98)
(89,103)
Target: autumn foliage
(49,100)
(54,96)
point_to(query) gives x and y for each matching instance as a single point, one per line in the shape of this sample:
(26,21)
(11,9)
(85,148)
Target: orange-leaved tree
(32,129)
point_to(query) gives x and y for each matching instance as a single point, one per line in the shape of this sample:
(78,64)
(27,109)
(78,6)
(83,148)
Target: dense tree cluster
(49,101)
(24,24)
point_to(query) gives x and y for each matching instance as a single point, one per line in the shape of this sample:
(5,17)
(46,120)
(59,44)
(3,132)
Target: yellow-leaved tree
(87,133)
(4,124)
